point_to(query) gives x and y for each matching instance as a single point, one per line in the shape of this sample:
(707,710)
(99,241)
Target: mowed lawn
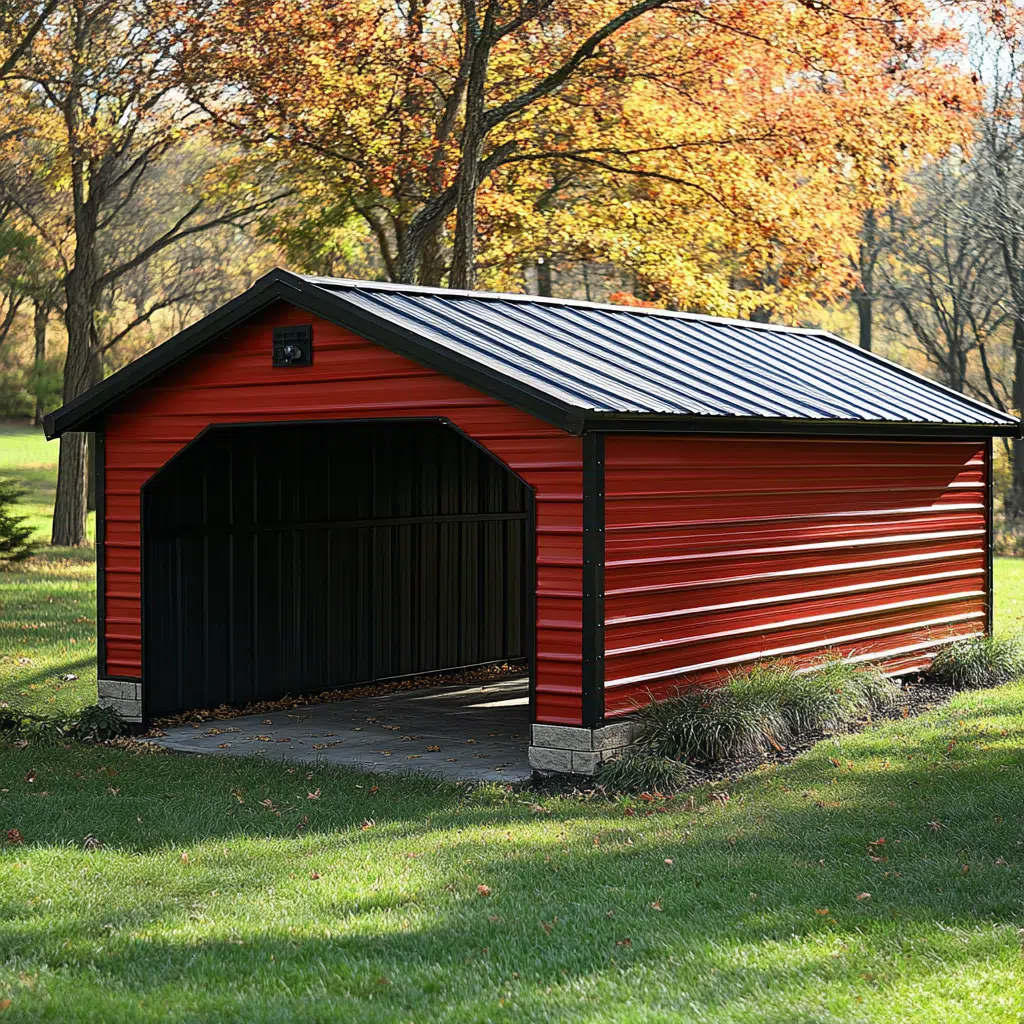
(877,878)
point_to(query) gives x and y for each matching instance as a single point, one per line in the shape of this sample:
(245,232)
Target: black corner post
(990,537)
(593,579)
(100,535)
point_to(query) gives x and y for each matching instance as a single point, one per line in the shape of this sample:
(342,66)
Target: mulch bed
(464,677)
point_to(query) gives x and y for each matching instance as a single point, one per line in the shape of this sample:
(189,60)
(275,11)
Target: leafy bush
(90,725)
(976,662)
(712,725)
(643,771)
(95,723)
(15,542)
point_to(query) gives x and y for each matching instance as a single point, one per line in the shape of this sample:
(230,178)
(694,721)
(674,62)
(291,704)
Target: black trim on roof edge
(280,285)
(316,297)
(672,423)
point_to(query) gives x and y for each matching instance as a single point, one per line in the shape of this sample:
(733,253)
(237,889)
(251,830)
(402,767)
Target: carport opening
(299,558)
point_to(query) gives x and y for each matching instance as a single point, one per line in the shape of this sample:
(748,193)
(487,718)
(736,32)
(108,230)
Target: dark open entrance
(296,558)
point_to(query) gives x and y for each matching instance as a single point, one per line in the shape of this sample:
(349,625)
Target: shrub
(643,771)
(15,536)
(976,662)
(712,725)
(90,725)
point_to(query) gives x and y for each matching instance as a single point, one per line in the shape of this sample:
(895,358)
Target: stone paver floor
(476,732)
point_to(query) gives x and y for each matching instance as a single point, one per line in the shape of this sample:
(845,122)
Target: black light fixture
(293,346)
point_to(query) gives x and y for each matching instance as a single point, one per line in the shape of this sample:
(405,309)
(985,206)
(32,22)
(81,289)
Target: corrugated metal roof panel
(625,360)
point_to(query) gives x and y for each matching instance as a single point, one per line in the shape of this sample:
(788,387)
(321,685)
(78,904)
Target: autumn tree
(705,144)
(101,103)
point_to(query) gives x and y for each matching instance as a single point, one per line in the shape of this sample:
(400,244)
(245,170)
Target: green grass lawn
(27,457)
(223,891)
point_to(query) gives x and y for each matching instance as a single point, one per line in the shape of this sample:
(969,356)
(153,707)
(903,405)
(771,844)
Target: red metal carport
(698,493)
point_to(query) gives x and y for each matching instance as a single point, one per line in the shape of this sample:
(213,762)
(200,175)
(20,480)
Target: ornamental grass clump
(643,771)
(976,662)
(834,695)
(762,709)
(712,725)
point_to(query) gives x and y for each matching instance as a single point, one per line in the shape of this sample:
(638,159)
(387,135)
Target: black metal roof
(585,365)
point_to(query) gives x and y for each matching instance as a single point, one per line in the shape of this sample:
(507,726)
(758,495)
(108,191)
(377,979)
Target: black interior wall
(299,558)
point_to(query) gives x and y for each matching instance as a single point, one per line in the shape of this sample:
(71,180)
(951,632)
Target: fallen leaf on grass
(92,843)
(965,869)
(14,836)
(623,942)
(483,890)
(184,857)
(31,776)
(863,896)
(314,875)
(367,824)
(315,795)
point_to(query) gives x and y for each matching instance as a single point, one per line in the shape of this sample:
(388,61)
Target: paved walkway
(451,732)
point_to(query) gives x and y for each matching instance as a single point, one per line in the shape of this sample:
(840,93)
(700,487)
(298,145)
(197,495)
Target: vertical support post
(990,537)
(593,579)
(530,597)
(100,536)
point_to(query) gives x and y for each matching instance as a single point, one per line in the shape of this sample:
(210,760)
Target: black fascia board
(82,412)
(907,430)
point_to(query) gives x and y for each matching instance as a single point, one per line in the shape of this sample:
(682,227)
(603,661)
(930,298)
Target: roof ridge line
(355,284)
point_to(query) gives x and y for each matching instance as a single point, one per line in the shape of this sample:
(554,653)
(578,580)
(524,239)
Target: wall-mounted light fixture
(293,346)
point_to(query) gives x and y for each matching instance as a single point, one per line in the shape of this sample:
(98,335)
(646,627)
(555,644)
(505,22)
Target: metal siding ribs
(721,551)
(233,381)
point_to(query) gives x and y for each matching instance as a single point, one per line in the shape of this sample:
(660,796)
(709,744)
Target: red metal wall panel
(724,550)
(232,381)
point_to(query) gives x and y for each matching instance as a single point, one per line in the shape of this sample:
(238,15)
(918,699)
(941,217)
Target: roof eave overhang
(87,410)
(668,423)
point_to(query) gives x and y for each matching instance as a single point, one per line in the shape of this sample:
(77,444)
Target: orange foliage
(723,152)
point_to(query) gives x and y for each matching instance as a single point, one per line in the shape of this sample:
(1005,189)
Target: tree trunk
(863,297)
(474,133)
(69,510)
(544,278)
(1014,501)
(39,324)
(865,317)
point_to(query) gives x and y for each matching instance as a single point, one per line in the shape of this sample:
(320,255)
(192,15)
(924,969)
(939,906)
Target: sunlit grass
(206,902)
(202,903)
(27,457)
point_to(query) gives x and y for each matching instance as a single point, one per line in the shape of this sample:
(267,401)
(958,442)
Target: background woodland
(855,164)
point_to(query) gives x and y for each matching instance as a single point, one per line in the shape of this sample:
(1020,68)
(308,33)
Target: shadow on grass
(745,898)
(52,672)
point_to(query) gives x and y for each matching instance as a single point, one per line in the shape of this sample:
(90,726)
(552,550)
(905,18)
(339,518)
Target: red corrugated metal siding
(721,551)
(233,382)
